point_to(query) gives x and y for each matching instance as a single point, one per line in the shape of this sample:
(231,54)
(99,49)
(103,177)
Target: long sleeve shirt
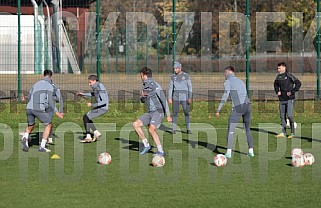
(235,88)
(100,94)
(180,87)
(154,97)
(40,96)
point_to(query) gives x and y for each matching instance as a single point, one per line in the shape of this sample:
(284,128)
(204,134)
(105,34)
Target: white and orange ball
(220,160)
(308,159)
(104,158)
(298,161)
(158,161)
(296,152)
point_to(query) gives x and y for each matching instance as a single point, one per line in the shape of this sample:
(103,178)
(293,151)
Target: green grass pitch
(188,179)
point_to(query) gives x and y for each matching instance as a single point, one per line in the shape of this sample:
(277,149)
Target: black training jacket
(286,83)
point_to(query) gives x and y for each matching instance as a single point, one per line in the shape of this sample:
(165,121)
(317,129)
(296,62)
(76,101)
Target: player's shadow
(274,133)
(36,137)
(212,147)
(164,128)
(82,135)
(132,145)
(262,131)
(308,139)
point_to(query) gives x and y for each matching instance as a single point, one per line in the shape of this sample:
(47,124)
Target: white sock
(251,150)
(43,143)
(88,136)
(96,131)
(229,151)
(145,141)
(50,140)
(26,135)
(160,148)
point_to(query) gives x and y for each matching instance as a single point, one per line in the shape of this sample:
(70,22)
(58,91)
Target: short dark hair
(146,71)
(93,77)
(231,68)
(282,64)
(47,72)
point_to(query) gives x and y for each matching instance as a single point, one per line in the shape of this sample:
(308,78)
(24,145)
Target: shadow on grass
(169,130)
(274,133)
(289,158)
(162,127)
(212,147)
(83,135)
(132,145)
(263,131)
(36,138)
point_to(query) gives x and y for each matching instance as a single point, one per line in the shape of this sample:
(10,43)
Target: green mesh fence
(210,35)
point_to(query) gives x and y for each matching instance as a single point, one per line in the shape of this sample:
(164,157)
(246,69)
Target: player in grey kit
(40,105)
(285,86)
(100,107)
(180,93)
(154,98)
(241,106)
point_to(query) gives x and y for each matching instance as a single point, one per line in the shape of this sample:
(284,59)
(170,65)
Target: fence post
(19,51)
(98,38)
(248,45)
(318,49)
(174,33)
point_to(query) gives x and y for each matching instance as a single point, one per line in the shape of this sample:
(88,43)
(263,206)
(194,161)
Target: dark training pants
(243,110)
(87,118)
(186,108)
(286,110)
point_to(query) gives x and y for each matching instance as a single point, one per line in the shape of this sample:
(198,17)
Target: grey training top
(154,97)
(100,94)
(234,87)
(40,96)
(180,87)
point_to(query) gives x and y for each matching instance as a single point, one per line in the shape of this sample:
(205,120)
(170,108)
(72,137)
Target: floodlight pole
(318,49)
(248,46)
(19,51)
(98,38)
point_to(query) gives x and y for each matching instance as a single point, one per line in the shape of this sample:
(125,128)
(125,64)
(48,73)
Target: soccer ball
(158,161)
(296,152)
(298,161)
(308,159)
(104,158)
(220,160)
(288,123)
